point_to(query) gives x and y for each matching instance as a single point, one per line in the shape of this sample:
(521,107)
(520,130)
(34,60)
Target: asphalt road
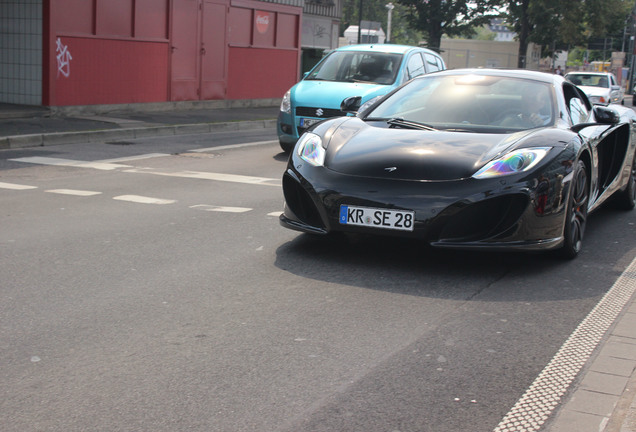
(160,294)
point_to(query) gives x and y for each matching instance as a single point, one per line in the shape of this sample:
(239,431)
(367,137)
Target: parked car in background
(368,71)
(600,87)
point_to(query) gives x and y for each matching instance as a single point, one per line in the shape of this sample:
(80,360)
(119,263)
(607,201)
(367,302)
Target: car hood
(329,94)
(355,148)
(595,91)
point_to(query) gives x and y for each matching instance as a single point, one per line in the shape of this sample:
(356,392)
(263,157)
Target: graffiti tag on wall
(63,59)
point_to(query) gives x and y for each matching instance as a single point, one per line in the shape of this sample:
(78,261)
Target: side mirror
(603,116)
(606,115)
(351,104)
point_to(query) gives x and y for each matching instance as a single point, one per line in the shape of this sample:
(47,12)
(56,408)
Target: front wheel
(576,217)
(285,146)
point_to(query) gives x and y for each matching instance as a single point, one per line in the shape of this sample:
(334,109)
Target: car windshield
(472,103)
(357,66)
(589,80)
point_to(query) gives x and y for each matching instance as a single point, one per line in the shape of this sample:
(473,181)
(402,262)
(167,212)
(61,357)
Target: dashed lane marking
(545,393)
(14,186)
(143,200)
(224,209)
(40,160)
(73,192)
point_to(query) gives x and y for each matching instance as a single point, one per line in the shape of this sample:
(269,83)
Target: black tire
(576,217)
(626,199)
(287,147)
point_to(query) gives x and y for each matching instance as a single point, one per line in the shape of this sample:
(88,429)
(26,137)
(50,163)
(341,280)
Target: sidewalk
(25,126)
(602,397)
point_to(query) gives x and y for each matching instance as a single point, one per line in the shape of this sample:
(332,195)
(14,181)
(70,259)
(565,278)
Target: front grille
(313,112)
(486,219)
(300,203)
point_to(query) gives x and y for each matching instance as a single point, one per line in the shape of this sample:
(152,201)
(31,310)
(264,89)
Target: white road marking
(275,214)
(206,207)
(14,186)
(211,176)
(232,146)
(71,163)
(73,192)
(133,158)
(143,200)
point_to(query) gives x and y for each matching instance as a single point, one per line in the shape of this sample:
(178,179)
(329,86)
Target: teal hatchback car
(368,71)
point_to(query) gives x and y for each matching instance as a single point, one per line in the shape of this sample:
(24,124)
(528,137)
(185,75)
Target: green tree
(375,10)
(448,17)
(555,24)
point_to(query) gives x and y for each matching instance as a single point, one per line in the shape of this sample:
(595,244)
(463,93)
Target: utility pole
(360,22)
(390,7)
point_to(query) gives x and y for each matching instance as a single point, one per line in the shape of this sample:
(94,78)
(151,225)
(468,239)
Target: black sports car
(465,159)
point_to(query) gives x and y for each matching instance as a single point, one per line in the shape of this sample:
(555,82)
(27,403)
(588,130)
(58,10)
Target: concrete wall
(463,53)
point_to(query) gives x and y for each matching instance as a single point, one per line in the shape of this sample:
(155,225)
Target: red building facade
(137,51)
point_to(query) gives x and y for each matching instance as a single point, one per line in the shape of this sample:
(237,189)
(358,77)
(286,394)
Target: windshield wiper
(399,121)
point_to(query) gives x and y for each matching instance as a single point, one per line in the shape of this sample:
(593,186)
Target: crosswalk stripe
(14,186)
(143,200)
(73,192)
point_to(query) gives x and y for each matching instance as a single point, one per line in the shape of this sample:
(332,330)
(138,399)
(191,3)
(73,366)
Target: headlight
(310,149)
(512,163)
(598,99)
(285,105)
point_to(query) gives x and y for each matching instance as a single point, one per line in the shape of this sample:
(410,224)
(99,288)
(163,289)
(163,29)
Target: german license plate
(402,220)
(305,122)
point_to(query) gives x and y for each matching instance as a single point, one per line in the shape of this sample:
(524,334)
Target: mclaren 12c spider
(475,158)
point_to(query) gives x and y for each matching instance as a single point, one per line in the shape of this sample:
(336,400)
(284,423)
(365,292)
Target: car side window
(415,66)
(578,107)
(432,63)
(578,111)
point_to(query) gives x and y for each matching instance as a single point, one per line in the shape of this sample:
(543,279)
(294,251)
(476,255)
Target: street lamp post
(390,7)
(360,22)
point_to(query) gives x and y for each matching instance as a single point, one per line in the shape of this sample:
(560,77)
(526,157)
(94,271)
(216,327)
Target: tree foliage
(557,24)
(375,10)
(553,24)
(448,17)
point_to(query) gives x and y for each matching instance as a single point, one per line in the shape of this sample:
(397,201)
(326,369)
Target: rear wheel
(627,199)
(577,212)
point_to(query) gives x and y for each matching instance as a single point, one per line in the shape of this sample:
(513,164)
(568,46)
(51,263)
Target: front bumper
(515,213)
